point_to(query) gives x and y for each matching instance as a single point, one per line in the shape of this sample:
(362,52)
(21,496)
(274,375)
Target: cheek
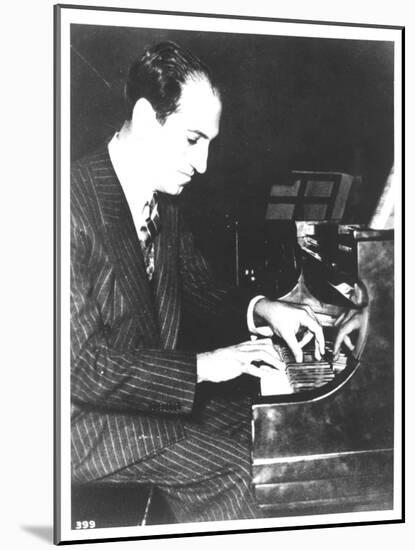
(174,154)
(174,146)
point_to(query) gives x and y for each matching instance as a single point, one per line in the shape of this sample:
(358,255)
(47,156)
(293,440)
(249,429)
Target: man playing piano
(138,412)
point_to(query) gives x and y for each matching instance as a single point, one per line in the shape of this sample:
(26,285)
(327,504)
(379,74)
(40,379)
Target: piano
(322,432)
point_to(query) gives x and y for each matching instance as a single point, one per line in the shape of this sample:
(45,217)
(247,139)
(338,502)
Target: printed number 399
(85,524)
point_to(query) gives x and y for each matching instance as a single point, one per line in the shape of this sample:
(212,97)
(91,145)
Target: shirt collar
(135,192)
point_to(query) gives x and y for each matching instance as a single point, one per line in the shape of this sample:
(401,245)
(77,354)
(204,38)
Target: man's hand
(351,321)
(348,323)
(286,320)
(227,363)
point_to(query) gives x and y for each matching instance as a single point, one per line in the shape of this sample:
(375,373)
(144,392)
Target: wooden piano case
(330,449)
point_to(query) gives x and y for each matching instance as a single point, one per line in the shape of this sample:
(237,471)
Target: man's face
(181,144)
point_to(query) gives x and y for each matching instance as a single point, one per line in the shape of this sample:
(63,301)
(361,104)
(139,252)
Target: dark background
(289,103)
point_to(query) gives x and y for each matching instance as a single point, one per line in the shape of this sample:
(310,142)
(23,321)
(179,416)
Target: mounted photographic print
(228,274)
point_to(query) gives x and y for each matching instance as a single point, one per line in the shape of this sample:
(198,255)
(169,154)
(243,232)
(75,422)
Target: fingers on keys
(260,351)
(311,323)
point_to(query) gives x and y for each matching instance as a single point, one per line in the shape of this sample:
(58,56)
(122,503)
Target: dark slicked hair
(159,75)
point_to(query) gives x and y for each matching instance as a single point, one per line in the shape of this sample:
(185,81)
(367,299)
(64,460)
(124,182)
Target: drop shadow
(43,532)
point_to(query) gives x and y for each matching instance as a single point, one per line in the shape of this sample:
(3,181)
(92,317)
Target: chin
(174,192)
(173,187)
(179,188)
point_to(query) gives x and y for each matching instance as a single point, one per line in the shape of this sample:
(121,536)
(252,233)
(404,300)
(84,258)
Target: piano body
(328,447)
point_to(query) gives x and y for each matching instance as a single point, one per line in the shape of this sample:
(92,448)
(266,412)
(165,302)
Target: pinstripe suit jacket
(131,389)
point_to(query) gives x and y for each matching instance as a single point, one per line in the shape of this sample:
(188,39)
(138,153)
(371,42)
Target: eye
(192,141)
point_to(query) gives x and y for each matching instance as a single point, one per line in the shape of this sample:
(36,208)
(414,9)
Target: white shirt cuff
(260,331)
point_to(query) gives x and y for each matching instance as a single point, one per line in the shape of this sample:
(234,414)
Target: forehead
(199,108)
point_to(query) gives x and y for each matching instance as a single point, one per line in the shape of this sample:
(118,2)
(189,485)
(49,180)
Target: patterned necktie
(148,230)
(151,225)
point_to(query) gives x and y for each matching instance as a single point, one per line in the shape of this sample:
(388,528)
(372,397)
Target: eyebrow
(199,133)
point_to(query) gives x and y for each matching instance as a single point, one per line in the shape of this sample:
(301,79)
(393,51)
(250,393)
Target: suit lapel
(124,246)
(166,274)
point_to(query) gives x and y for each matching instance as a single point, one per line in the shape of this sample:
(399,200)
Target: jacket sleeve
(137,379)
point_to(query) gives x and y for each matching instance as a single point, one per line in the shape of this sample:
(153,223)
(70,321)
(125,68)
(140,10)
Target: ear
(143,118)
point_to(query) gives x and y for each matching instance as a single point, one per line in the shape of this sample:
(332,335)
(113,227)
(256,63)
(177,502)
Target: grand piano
(323,432)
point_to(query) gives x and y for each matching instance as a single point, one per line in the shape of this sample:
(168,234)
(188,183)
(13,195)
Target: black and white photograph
(228,270)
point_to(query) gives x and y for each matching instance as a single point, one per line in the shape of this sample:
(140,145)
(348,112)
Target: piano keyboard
(297,377)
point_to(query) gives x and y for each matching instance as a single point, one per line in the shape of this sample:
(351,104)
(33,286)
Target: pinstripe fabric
(132,392)
(205,477)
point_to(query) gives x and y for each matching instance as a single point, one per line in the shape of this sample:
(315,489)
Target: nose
(199,157)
